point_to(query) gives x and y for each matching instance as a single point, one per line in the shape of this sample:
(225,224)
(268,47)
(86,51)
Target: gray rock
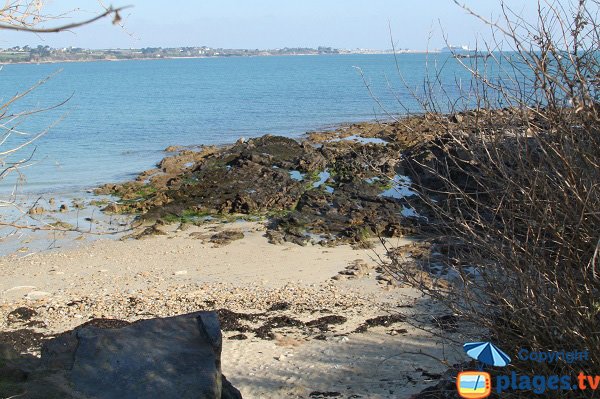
(176,357)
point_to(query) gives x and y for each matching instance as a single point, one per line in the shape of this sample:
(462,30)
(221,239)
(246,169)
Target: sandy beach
(276,210)
(324,322)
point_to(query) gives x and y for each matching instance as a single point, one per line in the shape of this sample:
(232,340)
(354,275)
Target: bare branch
(66,27)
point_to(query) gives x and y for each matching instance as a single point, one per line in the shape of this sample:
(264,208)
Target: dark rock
(21,314)
(275,237)
(324,322)
(59,353)
(318,394)
(279,306)
(229,391)
(105,323)
(12,374)
(150,231)
(345,208)
(385,321)
(171,351)
(265,331)
(22,340)
(223,238)
(231,321)
(176,357)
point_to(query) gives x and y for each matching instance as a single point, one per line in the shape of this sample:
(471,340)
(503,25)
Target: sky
(251,24)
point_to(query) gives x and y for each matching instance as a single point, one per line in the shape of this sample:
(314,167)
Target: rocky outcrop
(333,187)
(330,188)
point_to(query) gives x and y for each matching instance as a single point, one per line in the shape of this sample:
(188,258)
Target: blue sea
(121,115)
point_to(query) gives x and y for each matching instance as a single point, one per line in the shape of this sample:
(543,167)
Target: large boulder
(175,357)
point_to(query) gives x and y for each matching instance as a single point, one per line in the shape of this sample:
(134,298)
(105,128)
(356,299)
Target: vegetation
(516,198)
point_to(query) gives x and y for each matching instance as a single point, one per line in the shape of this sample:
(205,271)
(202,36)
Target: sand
(182,271)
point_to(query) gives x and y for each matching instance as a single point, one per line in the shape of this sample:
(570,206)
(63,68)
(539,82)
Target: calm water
(123,114)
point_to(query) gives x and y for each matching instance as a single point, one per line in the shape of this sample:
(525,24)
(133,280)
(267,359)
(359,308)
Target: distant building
(456,49)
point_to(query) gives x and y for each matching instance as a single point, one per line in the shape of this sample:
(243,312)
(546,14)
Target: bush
(514,194)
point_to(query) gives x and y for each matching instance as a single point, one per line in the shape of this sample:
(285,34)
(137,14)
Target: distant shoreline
(205,57)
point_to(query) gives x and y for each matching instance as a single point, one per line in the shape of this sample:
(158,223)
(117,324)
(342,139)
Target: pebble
(132,303)
(33,295)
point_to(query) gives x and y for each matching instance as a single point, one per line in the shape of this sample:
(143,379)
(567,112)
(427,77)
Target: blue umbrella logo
(487,353)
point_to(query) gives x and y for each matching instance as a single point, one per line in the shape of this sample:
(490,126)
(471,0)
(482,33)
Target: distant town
(71,54)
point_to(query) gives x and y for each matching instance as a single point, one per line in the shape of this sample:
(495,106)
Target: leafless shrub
(17,146)
(513,194)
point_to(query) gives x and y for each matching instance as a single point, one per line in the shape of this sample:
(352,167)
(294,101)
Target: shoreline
(201,57)
(84,204)
(300,135)
(89,203)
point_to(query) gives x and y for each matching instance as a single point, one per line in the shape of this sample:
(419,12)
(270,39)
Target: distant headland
(41,54)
